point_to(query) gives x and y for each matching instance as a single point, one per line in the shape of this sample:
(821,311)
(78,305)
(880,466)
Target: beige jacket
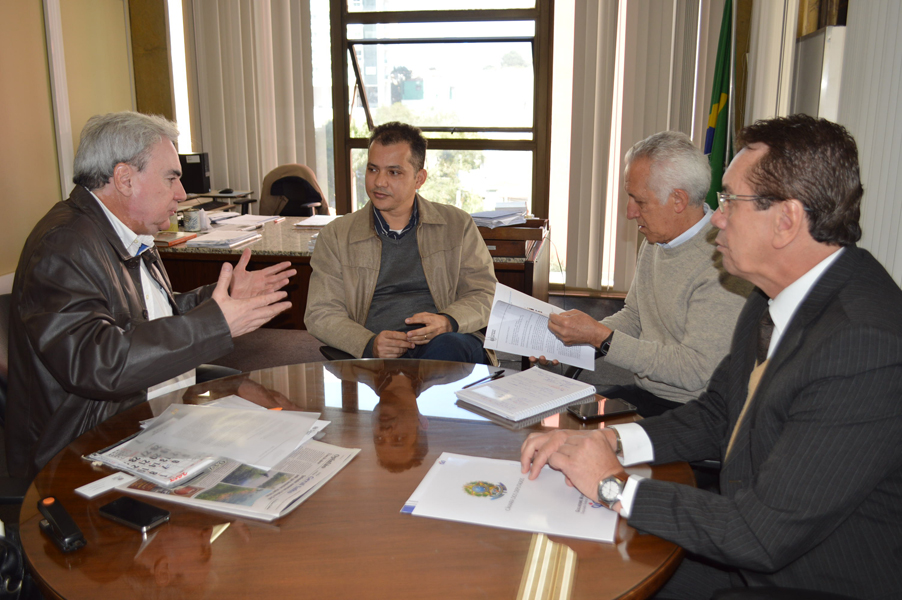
(346,261)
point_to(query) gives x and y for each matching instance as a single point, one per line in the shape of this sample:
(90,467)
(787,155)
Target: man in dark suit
(809,426)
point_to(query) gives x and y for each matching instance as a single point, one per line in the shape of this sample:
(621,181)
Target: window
(477,82)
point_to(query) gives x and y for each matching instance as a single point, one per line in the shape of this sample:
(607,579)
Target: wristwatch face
(609,491)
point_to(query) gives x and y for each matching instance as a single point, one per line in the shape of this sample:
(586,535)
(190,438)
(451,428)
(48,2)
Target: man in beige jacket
(402,277)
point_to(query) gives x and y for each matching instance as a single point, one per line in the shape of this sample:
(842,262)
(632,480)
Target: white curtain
(870,107)
(254,87)
(771,50)
(639,67)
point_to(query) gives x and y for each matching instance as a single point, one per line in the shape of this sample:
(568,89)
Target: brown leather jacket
(81,347)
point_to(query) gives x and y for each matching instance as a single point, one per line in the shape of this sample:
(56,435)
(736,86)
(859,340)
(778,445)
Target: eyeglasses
(724,199)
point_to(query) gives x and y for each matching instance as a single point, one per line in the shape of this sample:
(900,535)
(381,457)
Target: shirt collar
(382,226)
(131,240)
(690,233)
(784,306)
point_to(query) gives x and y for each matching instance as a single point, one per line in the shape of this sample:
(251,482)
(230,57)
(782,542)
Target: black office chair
(335,354)
(292,191)
(13,581)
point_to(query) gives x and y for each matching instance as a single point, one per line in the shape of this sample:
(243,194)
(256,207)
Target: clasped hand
(392,344)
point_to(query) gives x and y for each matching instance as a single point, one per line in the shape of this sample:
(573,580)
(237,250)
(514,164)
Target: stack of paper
(493,492)
(254,220)
(499,218)
(316,221)
(223,239)
(216,217)
(527,394)
(187,438)
(235,458)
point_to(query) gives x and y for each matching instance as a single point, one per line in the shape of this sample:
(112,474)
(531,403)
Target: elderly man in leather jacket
(94,322)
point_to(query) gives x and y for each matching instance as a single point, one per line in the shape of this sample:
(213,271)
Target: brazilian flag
(717,138)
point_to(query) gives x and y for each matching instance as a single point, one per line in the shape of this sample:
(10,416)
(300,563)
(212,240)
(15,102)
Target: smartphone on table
(134,513)
(601,409)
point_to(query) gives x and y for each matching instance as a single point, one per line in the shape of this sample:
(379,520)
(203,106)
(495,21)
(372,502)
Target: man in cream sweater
(682,306)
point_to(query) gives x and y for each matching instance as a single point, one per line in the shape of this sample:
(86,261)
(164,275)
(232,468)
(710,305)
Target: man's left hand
(585,458)
(576,327)
(247,284)
(433,325)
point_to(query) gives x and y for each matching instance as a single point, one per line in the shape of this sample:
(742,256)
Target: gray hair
(123,137)
(676,164)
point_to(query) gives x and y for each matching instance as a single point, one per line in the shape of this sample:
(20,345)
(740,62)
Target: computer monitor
(195,172)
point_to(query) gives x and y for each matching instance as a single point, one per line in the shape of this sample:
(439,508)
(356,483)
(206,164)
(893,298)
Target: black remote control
(59,526)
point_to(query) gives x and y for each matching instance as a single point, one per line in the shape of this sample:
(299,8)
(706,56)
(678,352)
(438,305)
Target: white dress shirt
(155,297)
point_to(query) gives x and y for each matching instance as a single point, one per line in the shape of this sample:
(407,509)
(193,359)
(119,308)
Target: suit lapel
(829,284)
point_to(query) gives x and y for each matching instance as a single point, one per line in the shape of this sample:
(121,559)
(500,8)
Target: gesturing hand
(246,314)
(247,284)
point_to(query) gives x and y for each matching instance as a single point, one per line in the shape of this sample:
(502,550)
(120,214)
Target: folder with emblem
(487,491)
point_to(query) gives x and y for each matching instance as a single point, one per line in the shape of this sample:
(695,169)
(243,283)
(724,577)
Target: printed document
(493,492)
(258,438)
(519,325)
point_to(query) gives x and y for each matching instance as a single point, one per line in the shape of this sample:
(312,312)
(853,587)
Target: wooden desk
(190,267)
(349,539)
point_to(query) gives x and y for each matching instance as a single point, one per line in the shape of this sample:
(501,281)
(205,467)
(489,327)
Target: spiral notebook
(527,394)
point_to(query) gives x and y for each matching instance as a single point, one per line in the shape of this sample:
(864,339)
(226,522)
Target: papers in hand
(223,239)
(499,218)
(527,394)
(493,492)
(519,324)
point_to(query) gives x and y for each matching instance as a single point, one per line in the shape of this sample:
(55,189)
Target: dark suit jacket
(811,496)
(81,347)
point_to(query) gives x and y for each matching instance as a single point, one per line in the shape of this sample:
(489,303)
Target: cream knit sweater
(678,319)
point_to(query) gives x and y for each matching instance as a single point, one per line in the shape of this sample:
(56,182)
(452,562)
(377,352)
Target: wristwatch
(606,345)
(610,489)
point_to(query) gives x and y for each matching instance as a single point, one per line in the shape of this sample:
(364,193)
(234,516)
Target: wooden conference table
(349,540)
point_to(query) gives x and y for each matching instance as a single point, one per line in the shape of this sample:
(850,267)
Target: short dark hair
(814,161)
(396,132)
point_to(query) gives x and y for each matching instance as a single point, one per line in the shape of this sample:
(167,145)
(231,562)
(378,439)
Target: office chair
(12,489)
(335,354)
(292,191)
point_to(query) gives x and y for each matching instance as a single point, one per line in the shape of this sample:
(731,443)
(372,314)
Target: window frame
(539,145)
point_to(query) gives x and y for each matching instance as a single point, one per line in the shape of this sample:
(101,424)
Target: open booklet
(234,488)
(527,394)
(519,324)
(493,492)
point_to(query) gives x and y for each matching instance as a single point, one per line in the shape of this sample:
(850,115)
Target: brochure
(486,491)
(519,324)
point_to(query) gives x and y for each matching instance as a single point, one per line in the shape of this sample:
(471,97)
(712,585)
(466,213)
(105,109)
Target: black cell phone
(134,513)
(604,408)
